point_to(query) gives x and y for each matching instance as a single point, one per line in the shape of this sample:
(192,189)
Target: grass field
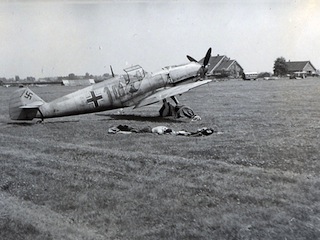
(256,178)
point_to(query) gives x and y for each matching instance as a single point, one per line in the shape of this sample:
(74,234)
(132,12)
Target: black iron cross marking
(94,99)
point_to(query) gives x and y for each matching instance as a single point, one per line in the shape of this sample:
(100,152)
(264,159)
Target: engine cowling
(183,72)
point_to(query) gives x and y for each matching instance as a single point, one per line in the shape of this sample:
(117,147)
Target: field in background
(256,178)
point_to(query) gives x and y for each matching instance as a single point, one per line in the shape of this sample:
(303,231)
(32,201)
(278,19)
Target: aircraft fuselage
(117,92)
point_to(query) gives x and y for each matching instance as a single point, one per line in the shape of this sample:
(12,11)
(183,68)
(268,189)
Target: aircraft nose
(195,69)
(185,71)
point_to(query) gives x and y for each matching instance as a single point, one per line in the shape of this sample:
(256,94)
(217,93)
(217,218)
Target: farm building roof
(225,64)
(297,66)
(214,61)
(219,62)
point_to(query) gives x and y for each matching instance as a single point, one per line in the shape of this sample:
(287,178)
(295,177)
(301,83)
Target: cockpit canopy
(135,72)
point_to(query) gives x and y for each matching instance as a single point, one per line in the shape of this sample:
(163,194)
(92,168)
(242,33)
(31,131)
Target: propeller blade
(207,57)
(204,68)
(191,59)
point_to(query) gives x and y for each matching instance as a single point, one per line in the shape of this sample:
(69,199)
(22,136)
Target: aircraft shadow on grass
(21,123)
(130,117)
(140,118)
(24,124)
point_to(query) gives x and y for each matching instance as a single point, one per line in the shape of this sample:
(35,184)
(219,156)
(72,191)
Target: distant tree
(72,76)
(264,74)
(280,67)
(31,79)
(87,76)
(106,76)
(17,78)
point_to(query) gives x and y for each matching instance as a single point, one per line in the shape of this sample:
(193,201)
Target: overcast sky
(55,38)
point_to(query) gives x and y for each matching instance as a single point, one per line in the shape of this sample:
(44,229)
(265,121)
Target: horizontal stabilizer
(169,92)
(24,104)
(35,104)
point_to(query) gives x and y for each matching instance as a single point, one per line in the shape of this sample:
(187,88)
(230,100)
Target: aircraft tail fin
(24,104)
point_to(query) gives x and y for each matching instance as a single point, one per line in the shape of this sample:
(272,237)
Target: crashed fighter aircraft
(136,88)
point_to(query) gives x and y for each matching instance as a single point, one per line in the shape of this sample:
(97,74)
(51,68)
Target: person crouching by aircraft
(177,111)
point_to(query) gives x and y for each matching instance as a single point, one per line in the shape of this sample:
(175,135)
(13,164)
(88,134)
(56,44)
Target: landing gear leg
(175,100)
(166,109)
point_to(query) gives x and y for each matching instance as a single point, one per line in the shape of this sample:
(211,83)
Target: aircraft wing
(169,92)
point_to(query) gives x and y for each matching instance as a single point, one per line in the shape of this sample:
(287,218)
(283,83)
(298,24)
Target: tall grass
(256,178)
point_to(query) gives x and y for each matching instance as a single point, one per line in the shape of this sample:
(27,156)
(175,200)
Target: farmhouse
(301,66)
(223,66)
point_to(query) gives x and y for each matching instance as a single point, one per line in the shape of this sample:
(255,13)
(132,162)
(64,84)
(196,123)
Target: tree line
(70,76)
(280,67)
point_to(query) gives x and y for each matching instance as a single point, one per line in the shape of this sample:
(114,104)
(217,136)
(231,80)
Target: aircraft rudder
(24,104)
